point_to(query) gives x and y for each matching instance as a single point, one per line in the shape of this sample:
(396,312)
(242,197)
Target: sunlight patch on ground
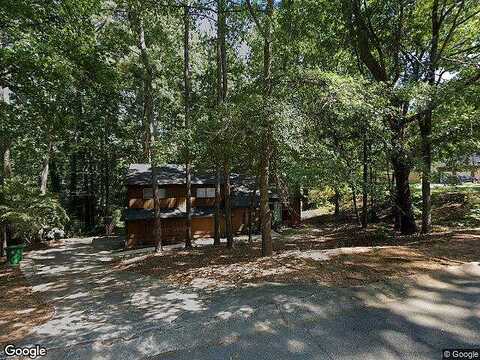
(342,255)
(424,303)
(265,327)
(324,255)
(225,276)
(296,346)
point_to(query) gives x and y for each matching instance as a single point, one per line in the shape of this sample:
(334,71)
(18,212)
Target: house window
(148,193)
(162,193)
(205,192)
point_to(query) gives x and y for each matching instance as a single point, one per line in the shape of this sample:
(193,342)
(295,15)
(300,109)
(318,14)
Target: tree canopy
(349,95)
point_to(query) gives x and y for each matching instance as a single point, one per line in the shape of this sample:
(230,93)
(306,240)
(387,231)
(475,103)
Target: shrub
(28,211)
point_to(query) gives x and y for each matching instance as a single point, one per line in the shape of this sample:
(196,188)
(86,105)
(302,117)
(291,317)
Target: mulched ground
(391,256)
(20,308)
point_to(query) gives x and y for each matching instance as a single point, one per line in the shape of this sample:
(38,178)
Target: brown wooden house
(172,190)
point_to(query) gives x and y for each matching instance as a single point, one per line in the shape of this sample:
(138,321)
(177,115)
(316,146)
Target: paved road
(105,315)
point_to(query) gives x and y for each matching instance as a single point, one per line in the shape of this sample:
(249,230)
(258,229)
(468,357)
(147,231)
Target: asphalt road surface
(100,314)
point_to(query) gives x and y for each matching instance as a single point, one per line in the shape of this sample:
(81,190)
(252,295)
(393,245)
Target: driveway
(118,315)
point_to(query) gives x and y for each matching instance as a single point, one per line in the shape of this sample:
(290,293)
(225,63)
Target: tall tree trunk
(336,201)
(426,134)
(186,75)
(393,199)
(7,173)
(107,186)
(267,132)
(403,197)
(365,184)
(45,169)
(402,166)
(148,120)
(265,213)
(136,21)
(157,221)
(221,96)
(223,47)
(148,116)
(228,206)
(365,41)
(354,202)
(251,209)
(109,224)
(425,124)
(373,200)
(218,199)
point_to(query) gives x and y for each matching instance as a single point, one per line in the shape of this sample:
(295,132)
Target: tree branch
(255,18)
(450,33)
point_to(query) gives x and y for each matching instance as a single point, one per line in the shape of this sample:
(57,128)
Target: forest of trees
(349,95)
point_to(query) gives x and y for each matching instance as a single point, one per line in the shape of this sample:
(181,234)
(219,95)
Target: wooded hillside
(344,98)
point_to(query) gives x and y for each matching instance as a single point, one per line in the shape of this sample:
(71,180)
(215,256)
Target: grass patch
(452,206)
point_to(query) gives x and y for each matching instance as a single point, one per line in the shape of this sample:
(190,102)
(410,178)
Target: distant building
(468,166)
(139,215)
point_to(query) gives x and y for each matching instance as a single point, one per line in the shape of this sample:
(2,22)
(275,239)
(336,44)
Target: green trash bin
(15,254)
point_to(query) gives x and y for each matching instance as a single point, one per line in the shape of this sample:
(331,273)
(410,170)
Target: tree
(187,80)
(450,37)
(265,30)
(382,56)
(403,45)
(222,87)
(28,210)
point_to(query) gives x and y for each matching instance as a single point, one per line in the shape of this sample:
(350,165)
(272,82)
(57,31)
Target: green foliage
(27,210)
(77,82)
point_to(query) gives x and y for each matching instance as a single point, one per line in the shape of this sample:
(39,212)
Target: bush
(27,211)
(324,197)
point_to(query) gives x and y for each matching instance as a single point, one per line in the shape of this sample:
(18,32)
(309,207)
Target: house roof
(173,174)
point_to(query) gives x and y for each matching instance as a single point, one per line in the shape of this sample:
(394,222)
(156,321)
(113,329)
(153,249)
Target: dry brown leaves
(211,267)
(20,308)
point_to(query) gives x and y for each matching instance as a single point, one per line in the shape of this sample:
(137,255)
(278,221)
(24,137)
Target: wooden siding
(140,232)
(175,198)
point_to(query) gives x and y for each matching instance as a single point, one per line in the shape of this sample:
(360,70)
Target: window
(162,193)
(148,193)
(205,192)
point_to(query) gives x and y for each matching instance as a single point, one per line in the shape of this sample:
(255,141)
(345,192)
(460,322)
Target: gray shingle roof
(173,174)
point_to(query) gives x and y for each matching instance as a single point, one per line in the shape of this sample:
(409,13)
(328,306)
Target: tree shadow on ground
(102,314)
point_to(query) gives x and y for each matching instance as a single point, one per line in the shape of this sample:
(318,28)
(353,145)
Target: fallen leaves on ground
(21,309)
(333,256)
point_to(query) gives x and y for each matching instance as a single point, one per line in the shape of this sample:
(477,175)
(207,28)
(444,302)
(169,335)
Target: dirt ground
(339,254)
(20,308)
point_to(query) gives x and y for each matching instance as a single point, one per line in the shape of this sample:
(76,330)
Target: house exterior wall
(140,232)
(175,197)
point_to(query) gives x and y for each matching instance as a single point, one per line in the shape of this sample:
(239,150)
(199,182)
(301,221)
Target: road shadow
(102,314)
